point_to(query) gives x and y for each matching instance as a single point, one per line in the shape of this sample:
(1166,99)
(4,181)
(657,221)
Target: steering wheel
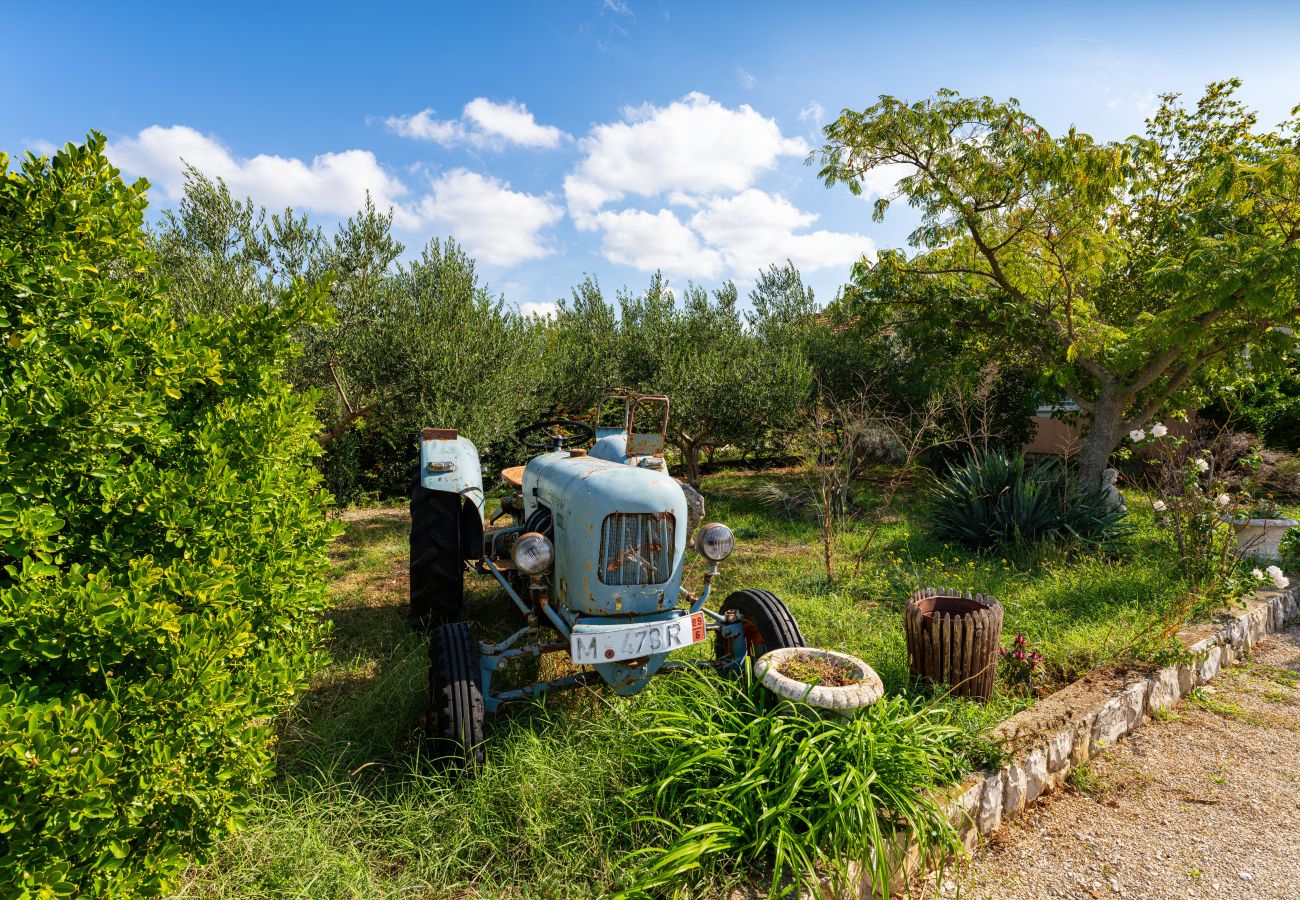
(543,436)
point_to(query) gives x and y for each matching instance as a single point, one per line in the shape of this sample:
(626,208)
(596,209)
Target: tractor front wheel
(455,718)
(766,621)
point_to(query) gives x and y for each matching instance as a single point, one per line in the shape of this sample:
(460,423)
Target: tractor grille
(636,548)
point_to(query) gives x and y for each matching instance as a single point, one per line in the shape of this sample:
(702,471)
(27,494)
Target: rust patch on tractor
(440,434)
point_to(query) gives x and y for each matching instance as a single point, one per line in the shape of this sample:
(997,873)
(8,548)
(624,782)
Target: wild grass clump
(992,499)
(737,785)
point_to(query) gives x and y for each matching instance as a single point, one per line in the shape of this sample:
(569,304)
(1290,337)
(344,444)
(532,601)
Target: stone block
(1013,789)
(1081,749)
(1207,665)
(990,815)
(1035,769)
(1110,725)
(1058,749)
(1165,687)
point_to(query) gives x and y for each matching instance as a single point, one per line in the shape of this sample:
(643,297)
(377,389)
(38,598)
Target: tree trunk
(691,454)
(1103,435)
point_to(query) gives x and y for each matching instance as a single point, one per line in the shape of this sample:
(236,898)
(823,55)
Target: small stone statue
(1113,496)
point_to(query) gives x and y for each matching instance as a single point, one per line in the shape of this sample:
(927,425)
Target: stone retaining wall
(1085,718)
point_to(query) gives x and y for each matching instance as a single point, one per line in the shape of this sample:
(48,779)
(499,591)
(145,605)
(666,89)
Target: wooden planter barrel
(953,638)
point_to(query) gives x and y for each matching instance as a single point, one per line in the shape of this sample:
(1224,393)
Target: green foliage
(582,361)
(1132,272)
(1267,404)
(727,386)
(993,499)
(407,346)
(162,543)
(735,781)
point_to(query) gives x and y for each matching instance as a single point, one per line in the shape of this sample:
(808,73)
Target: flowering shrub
(1273,574)
(1196,507)
(1019,663)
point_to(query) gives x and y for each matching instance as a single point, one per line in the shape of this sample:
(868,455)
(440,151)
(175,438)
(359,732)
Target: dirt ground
(1204,802)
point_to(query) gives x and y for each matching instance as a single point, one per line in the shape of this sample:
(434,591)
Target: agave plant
(995,499)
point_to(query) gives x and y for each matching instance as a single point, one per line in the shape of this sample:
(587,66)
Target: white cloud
(883,180)
(693,145)
(703,160)
(331,183)
(423,126)
(747,80)
(513,122)
(543,309)
(650,241)
(814,114)
(729,237)
(482,124)
(495,224)
(619,7)
(41,147)
(754,229)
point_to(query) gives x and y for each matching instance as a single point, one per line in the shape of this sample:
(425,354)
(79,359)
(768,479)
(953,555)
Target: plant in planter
(826,680)
(1260,528)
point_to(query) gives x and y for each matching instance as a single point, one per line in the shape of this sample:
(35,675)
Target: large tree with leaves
(1136,272)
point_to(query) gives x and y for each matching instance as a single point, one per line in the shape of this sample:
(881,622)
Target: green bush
(162,543)
(735,783)
(994,499)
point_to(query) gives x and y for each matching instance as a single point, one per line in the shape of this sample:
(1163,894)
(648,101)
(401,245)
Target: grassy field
(356,810)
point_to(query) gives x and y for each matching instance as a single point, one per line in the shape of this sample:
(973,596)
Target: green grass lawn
(357,810)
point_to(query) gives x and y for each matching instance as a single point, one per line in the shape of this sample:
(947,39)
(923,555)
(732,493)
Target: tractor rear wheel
(766,620)
(455,718)
(437,563)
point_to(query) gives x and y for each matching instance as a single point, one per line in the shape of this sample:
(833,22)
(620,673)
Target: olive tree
(1134,272)
(726,386)
(582,356)
(407,345)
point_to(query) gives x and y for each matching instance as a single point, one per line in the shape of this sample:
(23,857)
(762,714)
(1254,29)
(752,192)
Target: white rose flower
(1257,574)
(1279,579)
(1158,506)
(1223,499)
(1158,430)
(1201,464)
(1137,434)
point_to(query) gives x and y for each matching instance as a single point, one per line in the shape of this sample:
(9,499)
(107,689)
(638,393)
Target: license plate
(619,642)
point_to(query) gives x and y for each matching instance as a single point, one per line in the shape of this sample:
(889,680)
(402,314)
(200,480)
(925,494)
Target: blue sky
(610,137)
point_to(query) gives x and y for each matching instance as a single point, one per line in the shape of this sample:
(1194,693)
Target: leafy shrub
(162,543)
(995,499)
(733,782)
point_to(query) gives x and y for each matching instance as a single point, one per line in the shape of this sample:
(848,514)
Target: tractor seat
(514,476)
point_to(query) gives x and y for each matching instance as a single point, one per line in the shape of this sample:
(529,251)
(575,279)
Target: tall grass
(570,786)
(734,784)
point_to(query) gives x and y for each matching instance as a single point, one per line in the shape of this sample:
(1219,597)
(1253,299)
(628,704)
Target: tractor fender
(449,464)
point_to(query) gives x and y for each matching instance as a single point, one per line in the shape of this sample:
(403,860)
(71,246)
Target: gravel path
(1204,803)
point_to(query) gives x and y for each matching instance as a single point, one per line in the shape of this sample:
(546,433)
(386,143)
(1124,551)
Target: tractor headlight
(715,541)
(533,554)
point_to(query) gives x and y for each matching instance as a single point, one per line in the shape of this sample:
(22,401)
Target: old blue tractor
(592,557)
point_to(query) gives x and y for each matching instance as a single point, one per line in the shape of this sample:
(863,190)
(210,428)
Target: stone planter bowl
(1260,538)
(843,701)
(954,638)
